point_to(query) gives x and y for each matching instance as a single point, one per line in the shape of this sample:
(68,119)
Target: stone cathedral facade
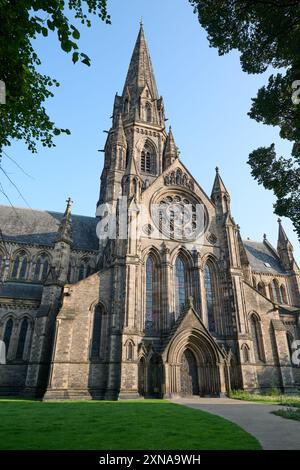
(153,313)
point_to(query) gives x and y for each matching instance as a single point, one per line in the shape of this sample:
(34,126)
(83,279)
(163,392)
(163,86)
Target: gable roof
(40,228)
(260,253)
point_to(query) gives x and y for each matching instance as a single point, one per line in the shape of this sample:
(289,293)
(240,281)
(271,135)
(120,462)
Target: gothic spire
(283,240)
(170,151)
(220,195)
(219,186)
(140,72)
(65,227)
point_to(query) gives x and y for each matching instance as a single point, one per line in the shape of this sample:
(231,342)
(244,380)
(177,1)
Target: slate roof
(21,290)
(258,254)
(40,227)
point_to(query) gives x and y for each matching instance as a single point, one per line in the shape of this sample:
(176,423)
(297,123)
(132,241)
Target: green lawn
(147,424)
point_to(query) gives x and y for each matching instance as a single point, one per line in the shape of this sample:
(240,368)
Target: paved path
(273,432)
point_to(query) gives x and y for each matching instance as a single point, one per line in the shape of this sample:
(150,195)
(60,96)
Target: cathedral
(155,296)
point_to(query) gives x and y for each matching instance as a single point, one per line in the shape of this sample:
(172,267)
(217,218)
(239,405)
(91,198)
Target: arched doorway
(189,379)
(194,365)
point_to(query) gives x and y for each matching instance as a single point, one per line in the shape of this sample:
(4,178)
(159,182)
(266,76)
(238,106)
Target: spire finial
(69,204)
(265,236)
(217,169)
(279,220)
(141,22)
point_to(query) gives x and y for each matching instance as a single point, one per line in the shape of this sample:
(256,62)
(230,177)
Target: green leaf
(75,57)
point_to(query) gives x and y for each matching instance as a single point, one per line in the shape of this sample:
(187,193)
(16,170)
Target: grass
(147,424)
(275,398)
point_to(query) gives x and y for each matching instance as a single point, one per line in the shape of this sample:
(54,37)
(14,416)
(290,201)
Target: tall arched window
(209,283)
(7,333)
(283,294)
(148,111)
(261,288)
(129,351)
(41,267)
(255,330)
(96,335)
(245,353)
(148,160)
(20,266)
(151,294)
(180,286)
(275,293)
(22,339)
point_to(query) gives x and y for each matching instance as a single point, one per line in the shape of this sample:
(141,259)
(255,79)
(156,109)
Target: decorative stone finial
(69,205)
(265,236)
(141,22)
(217,169)
(190,301)
(279,220)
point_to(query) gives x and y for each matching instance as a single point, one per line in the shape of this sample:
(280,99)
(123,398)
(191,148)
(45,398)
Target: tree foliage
(24,116)
(267,35)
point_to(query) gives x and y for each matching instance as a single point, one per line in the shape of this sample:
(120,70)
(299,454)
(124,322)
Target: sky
(206,97)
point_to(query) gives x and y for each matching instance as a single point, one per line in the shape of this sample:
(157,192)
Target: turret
(220,195)
(58,274)
(170,151)
(285,248)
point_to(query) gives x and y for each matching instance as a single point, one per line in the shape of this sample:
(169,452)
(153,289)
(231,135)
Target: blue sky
(207,98)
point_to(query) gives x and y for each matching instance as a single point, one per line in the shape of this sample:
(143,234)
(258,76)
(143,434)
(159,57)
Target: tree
(267,34)
(23,116)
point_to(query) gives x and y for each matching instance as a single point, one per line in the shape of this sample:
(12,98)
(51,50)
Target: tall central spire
(140,72)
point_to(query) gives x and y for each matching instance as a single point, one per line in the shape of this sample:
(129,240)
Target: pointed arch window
(150,293)
(96,335)
(8,333)
(261,288)
(245,353)
(180,286)
(210,294)
(255,329)
(129,351)
(20,266)
(41,267)
(148,160)
(275,293)
(283,294)
(22,339)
